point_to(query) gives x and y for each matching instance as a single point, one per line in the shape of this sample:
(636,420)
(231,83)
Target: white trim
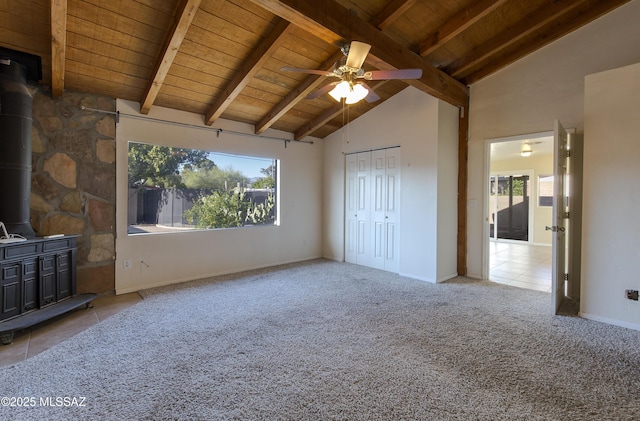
(607,320)
(485,196)
(447,277)
(541,244)
(371,150)
(528,136)
(120,291)
(417,278)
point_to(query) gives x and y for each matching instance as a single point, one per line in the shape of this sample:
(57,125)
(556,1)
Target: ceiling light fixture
(352,92)
(526,150)
(340,91)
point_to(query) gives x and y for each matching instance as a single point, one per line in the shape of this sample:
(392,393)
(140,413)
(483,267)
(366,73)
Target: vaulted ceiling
(223,59)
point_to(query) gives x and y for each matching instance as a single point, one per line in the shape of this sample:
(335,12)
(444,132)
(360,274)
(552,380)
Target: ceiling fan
(350,72)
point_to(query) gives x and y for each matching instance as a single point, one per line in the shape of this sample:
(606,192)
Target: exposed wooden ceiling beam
(391,12)
(601,8)
(248,69)
(299,93)
(459,23)
(313,125)
(182,20)
(58,46)
(327,116)
(334,24)
(519,30)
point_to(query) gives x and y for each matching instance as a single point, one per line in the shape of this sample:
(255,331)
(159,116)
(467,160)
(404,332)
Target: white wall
(611,225)
(528,95)
(426,130)
(447,221)
(177,257)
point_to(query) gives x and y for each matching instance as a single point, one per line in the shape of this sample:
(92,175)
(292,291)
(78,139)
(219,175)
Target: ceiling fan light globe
(335,95)
(341,90)
(358,93)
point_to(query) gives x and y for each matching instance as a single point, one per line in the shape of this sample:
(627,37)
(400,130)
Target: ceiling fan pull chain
(348,121)
(344,134)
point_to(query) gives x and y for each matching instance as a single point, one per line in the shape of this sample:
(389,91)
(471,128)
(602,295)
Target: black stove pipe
(16,106)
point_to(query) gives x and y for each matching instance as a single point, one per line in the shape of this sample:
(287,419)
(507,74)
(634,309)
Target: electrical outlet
(632,294)
(126,264)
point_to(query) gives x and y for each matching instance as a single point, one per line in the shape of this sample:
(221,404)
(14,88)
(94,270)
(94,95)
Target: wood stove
(37,275)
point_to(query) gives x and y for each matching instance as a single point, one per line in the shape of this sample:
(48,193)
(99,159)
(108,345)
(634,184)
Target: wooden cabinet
(30,285)
(11,290)
(35,274)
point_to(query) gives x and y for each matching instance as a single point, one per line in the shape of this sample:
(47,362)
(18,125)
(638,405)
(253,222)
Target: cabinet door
(48,282)
(29,284)
(10,293)
(63,269)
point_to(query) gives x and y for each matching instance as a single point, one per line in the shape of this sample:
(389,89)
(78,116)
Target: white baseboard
(447,277)
(334,258)
(120,291)
(609,321)
(419,278)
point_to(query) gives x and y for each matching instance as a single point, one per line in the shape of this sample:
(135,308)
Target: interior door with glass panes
(509,204)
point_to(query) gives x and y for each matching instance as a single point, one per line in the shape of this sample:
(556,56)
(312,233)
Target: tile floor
(30,342)
(520,265)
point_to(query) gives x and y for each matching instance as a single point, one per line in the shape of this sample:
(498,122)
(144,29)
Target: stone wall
(73,180)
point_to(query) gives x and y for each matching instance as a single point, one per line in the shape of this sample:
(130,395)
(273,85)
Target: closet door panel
(392,210)
(350,212)
(364,246)
(378,201)
(372,205)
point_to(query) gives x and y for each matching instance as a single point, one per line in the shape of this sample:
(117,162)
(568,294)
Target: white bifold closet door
(372,209)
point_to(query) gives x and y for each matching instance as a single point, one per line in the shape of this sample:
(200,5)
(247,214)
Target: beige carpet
(324,340)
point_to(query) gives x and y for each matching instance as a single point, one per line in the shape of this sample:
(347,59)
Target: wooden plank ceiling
(222,59)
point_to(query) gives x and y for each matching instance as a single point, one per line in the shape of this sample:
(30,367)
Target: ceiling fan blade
(393,74)
(310,71)
(324,90)
(371,96)
(357,54)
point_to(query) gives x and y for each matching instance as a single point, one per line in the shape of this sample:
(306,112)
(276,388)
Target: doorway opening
(509,205)
(519,251)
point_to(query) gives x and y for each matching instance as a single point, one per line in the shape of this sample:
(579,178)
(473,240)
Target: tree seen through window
(176,188)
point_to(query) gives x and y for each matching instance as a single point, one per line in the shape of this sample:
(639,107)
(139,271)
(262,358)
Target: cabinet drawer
(60,244)
(14,251)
